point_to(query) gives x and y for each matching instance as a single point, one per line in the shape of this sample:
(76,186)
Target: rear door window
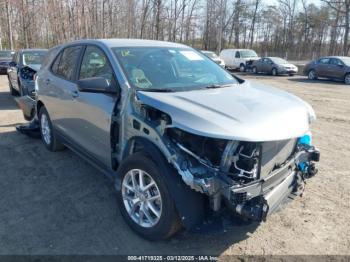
(337,62)
(66,62)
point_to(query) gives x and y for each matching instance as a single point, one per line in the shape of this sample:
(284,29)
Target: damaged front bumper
(261,197)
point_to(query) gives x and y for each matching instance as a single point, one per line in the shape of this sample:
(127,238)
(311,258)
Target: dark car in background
(5,59)
(22,69)
(274,66)
(331,67)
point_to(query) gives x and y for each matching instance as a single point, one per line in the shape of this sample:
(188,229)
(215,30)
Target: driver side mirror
(96,85)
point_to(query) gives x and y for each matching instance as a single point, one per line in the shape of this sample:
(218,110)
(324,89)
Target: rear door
(336,68)
(61,89)
(92,111)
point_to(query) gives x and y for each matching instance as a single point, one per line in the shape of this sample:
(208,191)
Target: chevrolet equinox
(180,136)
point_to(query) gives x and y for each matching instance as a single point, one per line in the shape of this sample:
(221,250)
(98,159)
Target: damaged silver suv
(180,136)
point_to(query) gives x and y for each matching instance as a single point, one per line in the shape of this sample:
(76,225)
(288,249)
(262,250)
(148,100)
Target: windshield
(33,58)
(5,54)
(175,69)
(248,53)
(211,55)
(346,60)
(278,60)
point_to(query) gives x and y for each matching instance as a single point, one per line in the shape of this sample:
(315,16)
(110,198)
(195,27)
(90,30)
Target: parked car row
(332,67)
(181,137)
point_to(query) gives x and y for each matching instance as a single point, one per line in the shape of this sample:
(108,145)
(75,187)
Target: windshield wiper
(162,90)
(216,86)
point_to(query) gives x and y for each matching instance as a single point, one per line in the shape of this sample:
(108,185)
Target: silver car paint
(241,107)
(245,112)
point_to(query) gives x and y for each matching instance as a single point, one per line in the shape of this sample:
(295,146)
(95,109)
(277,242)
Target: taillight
(34,77)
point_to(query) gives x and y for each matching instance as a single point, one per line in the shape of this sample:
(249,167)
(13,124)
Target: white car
(214,57)
(238,58)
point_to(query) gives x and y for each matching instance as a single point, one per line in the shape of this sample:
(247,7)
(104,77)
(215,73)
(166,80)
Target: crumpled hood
(246,112)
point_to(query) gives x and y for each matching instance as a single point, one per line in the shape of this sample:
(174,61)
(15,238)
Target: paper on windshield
(190,55)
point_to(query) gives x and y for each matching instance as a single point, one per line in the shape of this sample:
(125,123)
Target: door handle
(75,94)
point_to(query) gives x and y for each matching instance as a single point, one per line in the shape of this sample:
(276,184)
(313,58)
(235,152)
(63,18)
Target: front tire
(47,133)
(242,68)
(144,200)
(312,75)
(255,70)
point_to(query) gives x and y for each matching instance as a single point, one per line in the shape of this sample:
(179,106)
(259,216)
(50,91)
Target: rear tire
(47,133)
(347,79)
(131,194)
(255,70)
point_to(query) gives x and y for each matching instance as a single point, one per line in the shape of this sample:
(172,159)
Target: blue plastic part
(303,166)
(306,139)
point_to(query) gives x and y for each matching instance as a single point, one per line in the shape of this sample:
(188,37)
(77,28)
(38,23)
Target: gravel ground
(55,203)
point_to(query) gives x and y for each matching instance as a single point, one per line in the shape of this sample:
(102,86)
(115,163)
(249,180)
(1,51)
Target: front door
(323,67)
(93,110)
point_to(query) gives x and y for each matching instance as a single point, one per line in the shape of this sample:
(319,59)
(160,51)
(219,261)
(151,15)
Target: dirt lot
(55,203)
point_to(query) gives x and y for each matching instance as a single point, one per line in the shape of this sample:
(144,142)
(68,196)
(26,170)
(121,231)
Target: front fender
(189,204)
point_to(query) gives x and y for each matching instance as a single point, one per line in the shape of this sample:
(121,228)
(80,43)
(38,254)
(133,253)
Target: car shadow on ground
(318,81)
(56,203)
(7,102)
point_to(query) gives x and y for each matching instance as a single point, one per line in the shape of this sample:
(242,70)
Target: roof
(340,57)
(116,42)
(32,50)
(237,49)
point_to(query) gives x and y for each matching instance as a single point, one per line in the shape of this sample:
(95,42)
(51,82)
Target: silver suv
(181,137)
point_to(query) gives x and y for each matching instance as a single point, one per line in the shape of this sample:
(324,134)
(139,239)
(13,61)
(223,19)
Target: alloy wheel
(141,198)
(311,75)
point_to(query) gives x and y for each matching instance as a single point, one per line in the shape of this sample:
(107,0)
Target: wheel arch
(39,105)
(189,204)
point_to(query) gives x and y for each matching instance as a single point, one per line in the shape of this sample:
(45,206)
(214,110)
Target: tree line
(294,29)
